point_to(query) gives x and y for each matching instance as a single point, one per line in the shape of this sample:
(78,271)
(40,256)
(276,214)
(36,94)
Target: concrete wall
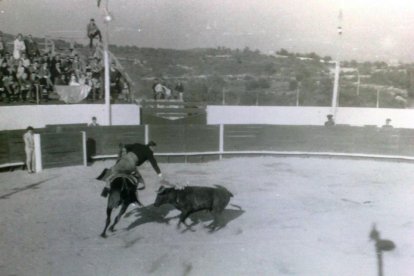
(284,115)
(19,117)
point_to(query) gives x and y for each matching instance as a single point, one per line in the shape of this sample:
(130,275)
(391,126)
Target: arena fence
(68,145)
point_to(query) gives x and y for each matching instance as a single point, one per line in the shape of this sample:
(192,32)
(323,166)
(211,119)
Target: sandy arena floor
(300,216)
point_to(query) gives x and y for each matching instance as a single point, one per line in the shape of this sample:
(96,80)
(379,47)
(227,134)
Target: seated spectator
(92,32)
(9,82)
(4,95)
(44,75)
(20,70)
(8,59)
(73,80)
(25,88)
(44,81)
(61,80)
(32,49)
(330,121)
(19,47)
(46,59)
(387,124)
(3,47)
(26,60)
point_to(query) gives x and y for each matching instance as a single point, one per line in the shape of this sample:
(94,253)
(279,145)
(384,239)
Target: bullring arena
(300,216)
(309,197)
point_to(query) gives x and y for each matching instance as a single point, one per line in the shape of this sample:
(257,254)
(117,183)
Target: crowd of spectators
(28,74)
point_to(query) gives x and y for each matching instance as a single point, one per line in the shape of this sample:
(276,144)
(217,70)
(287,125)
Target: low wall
(285,115)
(61,149)
(194,143)
(38,116)
(12,147)
(319,139)
(105,140)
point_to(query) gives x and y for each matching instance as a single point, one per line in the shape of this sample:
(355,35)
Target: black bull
(192,199)
(122,192)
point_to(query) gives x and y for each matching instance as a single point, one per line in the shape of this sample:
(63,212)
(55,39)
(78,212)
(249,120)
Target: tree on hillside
(283,52)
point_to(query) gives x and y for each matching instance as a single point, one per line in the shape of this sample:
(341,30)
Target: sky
(372,29)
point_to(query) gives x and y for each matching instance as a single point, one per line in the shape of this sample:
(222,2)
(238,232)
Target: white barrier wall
(19,117)
(37,116)
(286,115)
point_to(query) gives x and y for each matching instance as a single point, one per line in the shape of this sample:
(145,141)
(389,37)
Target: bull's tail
(224,189)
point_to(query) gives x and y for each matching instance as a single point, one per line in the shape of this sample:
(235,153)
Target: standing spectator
(77,66)
(94,122)
(158,90)
(330,121)
(92,32)
(3,48)
(55,68)
(19,47)
(28,139)
(115,78)
(97,77)
(32,49)
(180,89)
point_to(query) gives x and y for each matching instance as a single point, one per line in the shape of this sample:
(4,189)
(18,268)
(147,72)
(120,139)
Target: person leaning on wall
(29,149)
(330,121)
(387,124)
(94,122)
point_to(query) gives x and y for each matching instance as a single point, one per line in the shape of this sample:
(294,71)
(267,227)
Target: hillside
(249,77)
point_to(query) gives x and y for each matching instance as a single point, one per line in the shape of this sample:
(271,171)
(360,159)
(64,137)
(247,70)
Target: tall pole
(107,85)
(107,19)
(359,82)
(297,94)
(337,67)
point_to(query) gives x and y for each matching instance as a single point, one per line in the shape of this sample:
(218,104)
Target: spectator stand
(127,79)
(68,45)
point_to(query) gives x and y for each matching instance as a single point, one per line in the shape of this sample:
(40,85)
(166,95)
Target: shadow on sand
(150,213)
(28,187)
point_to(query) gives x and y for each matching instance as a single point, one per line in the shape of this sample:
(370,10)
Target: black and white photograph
(206,138)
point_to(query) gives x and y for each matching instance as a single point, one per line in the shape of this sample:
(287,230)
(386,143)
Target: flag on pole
(99,3)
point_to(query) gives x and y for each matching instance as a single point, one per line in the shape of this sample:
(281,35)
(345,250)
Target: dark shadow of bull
(122,192)
(192,199)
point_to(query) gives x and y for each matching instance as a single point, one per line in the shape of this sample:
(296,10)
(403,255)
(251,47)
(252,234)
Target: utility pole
(337,67)
(107,20)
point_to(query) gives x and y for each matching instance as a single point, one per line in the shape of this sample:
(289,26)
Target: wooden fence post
(38,153)
(221,141)
(85,157)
